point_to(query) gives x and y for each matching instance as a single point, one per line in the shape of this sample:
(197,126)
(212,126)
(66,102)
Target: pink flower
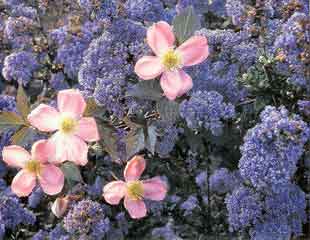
(135,190)
(73,128)
(35,166)
(170,61)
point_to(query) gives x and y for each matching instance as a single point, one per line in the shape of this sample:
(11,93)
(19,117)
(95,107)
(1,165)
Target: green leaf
(22,102)
(108,139)
(19,136)
(135,142)
(185,24)
(71,172)
(148,90)
(168,110)
(151,138)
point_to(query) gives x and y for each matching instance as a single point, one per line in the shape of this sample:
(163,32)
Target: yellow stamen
(135,190)
(171,60)
(68,124)
(33,166)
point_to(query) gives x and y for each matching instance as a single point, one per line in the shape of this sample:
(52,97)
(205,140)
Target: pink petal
(87,129)
(71,101)
(135,208)
(194,51)
(70,148)
(149,67)
(60,206)
(134,168)
(51,179)
(44,118)
(187,84)
(23,183)
(160,37)
(114,191)
(43,151)
(15,156)
(175,83)
(154,189)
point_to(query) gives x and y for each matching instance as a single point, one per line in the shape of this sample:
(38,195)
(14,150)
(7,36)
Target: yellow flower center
(171,59)
(135,190)
(68,124)
(33,166)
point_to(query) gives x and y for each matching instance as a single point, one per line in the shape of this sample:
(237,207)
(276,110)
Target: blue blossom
(230,55)
(2,231)
(58,82)
(106,64)
(95,189)
(284,214)
(199,6)
(201,179)
(291,44)
(41,235)
(122,223)
(144,10)
(87,217)
(166,232)
(102,10)
(72,43)
(7,103)
(223,181)
(273,147)
(189,205)
(167,137)
(20,66)
(35,197)
(58,233)
(289,204)
(304,107)
(13,214)
(18,31)
(3,185)
(244,208)
(206,110)
(25,11)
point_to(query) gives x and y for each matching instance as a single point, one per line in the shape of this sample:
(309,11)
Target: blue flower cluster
(206,110)
(273,147)
(105,66)
(223,181)
(244,208)
(87,218)
(13,214)
(20,66)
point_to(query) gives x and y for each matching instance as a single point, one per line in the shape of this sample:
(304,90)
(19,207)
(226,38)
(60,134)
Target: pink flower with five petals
(170,61)
(73,128)
(134,190)
(35,166)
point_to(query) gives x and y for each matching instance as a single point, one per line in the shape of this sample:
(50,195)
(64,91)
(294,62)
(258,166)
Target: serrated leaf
(22,102)
(71,172)
(91,107)
(168,110)
(185,24)
(147,90)
(19,136)
(135,142)
(23,136)
(11,119)
(151,138)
